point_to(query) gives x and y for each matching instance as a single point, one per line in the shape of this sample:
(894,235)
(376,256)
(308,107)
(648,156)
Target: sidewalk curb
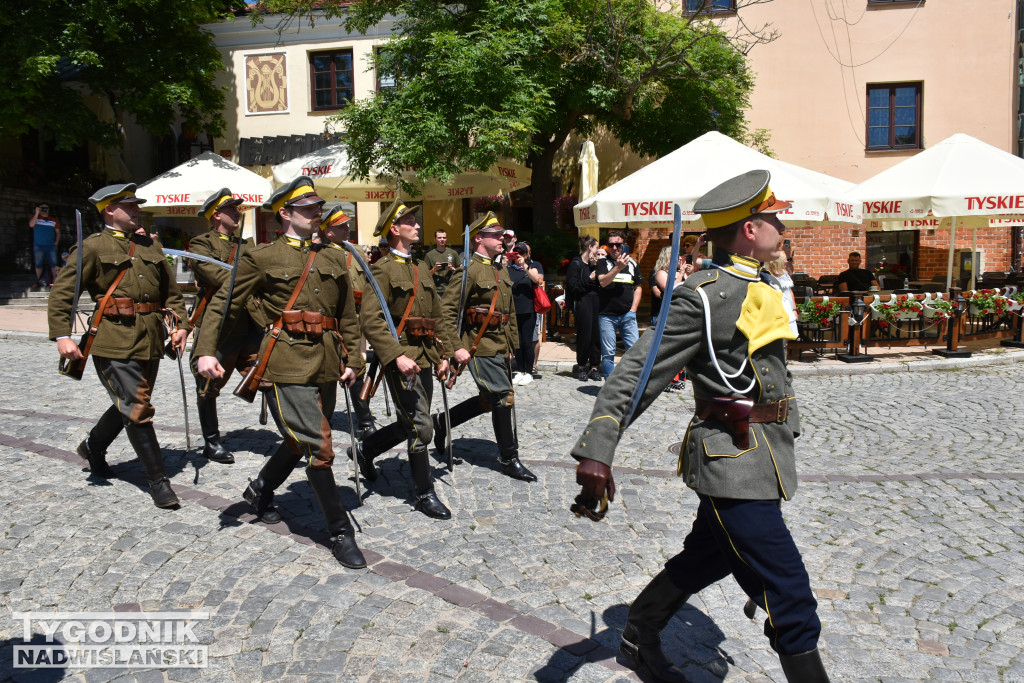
(798,369)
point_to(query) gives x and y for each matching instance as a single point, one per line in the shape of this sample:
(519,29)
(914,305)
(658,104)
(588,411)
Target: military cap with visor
(738,198)
(397,209)
(487,224)
(333,216)
(298,192)
(218,201)
(115,194)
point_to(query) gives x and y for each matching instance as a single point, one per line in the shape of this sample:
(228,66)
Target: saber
(231,280)
(63,364)
(198,257)
(184,400)
(263,409)
(458,367)
(356,447)
(659,329)
(448,426)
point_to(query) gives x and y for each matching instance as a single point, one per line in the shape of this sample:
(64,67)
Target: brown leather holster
(737,414)
(309,323)
(420,329)
(126,309)
(477,316)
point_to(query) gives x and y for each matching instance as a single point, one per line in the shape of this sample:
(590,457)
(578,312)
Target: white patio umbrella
(958,178)
(182,190)
(329,168)
(682,177)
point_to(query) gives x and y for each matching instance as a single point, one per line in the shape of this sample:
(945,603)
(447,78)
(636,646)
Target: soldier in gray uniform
(728,327)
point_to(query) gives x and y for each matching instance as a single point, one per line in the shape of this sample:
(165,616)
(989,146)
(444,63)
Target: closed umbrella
(588,181)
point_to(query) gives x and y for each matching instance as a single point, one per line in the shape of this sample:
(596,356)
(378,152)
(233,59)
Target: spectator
(442,261)
(524,276)
(658,282)
(581,290)
(45,237)
(855,278)
(508,243)
(782,269)
(619,295)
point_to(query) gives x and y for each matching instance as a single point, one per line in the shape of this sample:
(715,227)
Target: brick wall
(823,250)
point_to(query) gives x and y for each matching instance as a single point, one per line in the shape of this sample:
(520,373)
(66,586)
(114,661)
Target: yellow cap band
(297,193)
(103,203)
(209,212)
(719,219)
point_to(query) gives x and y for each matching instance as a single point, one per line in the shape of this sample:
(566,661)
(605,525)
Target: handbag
(541,302)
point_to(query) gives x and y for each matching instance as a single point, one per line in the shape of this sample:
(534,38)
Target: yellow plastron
(763,318)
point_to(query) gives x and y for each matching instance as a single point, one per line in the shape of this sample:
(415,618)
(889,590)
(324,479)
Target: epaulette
(701,277)
(262,245)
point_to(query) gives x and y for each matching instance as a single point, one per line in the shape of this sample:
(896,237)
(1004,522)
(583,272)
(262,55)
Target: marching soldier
(406,362)
(727,326)
(489,337)
(241,343)
(304,299)
(336,227)
(133,286)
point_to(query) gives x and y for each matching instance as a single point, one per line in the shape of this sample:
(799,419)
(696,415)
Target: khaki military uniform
(738,528)
(127,349)
(395,275)
(269,274)
(238,348)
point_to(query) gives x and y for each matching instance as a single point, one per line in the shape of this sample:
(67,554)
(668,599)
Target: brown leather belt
(775,411)
(476,316)
(737,414)
(126,307)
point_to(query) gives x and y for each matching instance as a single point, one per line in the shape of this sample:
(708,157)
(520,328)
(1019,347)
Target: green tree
(147,58)
(488,78)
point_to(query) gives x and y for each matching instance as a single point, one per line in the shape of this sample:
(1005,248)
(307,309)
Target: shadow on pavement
(43,653)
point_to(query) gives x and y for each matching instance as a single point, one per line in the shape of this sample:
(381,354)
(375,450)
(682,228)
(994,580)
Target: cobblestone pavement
(908,515)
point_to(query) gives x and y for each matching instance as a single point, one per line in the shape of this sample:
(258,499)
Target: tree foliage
(148,58)
(489,78)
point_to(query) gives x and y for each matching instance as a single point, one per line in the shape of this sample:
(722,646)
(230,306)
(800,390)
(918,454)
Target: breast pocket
(332,283)
(401,291)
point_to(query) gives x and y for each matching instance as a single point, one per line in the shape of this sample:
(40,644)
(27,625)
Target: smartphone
(625,250)
(785,244)
(689,258)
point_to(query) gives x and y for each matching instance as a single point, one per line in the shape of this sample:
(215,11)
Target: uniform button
(722,295)
(771,386)
(316,291)
(764,371)
(141,277)
(584,444)
(320,310)
(145,297)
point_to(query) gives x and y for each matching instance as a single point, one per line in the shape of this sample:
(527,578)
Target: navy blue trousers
(750,540)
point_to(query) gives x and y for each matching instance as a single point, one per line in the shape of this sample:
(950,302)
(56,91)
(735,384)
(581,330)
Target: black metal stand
(959,308)
(1016,342)
(858,309)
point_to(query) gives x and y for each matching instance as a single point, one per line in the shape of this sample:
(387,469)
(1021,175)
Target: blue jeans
(625,324)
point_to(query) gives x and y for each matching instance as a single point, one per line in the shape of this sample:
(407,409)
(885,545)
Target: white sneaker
(526,379)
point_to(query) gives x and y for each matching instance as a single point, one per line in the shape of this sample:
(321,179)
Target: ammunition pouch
(126,309)
(420,329)
(309,323)
(737,414)
(476,317)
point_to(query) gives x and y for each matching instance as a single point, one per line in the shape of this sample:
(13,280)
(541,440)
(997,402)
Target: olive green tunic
(149,278)
(269,273)
(483,279)
(395,275)
(211,278)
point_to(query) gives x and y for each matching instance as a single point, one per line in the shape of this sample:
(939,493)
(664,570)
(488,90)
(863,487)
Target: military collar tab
(297,242)
(741,266)
(399,257)
(483,259)
(226,238)
(332,245)
(120,234)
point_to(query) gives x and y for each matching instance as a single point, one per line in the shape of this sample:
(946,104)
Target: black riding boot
(213,450)
(94,448)
(464,412)
(343,535)
(361,410)
(260,493)
(648,615)
(508,445)
(805,667)
(378,442)
(427,501)
(143,439)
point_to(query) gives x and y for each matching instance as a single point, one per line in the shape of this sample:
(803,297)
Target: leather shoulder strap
(275,331)
(490,313)
(408,306)
(97,317)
